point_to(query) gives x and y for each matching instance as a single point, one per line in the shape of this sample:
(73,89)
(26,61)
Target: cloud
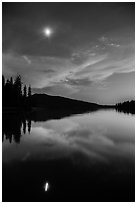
(103,39)
(114,88)
(78,82)
(47,71)
(39,71)
(88,67)
(58,88)
(27,59)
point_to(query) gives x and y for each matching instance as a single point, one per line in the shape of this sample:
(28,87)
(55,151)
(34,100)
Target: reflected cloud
(101,136)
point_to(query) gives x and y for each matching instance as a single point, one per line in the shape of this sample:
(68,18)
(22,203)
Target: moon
(47,32)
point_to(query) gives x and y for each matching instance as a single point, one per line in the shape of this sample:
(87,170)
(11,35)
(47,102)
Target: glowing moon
(47,32)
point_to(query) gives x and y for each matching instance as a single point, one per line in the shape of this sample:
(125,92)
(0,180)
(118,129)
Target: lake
(81,157)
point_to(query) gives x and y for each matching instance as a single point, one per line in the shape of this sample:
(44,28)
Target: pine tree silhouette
(25,92)
(29,91)
(12,95)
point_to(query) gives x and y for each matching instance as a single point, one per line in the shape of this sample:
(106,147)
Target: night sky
(77,50)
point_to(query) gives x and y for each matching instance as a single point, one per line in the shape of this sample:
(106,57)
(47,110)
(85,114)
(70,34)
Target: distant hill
(58,102)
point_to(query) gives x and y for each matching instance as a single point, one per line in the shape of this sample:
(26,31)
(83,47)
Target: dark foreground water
(83,157)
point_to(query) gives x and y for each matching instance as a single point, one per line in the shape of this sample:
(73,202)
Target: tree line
(127,106)
(15,94)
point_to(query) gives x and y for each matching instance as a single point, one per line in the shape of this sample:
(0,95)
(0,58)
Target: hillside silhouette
(58,102)
(18,97)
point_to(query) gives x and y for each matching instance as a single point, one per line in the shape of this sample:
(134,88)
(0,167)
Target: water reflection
(83,153)
(14,126)
(126,111)
(46,186)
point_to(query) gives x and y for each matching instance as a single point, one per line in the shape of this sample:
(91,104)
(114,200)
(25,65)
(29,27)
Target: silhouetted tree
(11,81)
(126,107)
(7,93)
(29,91)
(3,90)
(3,81)
(18,85)
(12,93)
(25,91)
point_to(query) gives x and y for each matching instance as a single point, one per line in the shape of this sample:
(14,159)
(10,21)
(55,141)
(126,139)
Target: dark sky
(89,54)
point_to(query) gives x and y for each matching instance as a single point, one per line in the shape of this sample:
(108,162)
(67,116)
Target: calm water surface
(83,157)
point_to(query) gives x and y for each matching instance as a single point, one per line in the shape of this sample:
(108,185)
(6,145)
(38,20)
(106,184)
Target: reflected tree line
(15,94)
(14,126)
(17,124)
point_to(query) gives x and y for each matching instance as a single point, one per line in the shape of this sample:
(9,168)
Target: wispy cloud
(88,66)
(27,59)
